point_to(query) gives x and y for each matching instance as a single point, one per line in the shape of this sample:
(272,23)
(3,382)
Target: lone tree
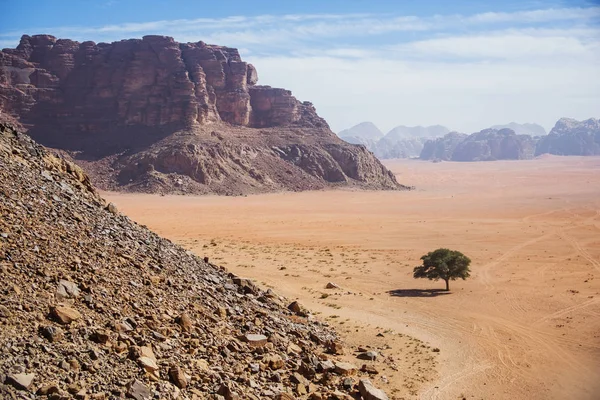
(443,264)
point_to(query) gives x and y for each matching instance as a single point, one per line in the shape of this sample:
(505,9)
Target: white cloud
(510,44)
(464,71)
(463,96)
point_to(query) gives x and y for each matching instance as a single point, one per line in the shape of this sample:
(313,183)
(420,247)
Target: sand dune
(525,326)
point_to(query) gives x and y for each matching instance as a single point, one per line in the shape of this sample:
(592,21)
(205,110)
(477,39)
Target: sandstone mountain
(523,129)
(442,148)
(152,114)
(572,137)
(492,144)
(96,307)
(400,142)
(487,145)
(365,131)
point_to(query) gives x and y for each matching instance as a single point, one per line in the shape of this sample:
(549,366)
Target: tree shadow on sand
(417,292)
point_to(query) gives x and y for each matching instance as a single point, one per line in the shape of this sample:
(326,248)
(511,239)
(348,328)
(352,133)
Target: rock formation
(96,307)
(442,148)
(400,142)
(492,144)
(487,145)
(110,103)
(572,137)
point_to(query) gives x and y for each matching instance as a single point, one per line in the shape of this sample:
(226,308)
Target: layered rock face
(572,137)
(95,306)
(100,100)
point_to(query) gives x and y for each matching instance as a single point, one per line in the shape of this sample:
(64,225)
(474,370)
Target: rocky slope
(487,145)
(113,105)
(572,137)
(94,306)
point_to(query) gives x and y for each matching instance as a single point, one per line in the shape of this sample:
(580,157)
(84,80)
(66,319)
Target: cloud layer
(464,71)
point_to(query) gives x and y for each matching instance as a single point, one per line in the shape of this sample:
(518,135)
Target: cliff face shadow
(417,292)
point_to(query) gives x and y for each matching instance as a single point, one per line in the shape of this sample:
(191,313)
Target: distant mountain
(487,145)
(572,137)
(523,129)
(400,142)
(407,132)
(365,130)
(494,144)
(402,148)
(442,148)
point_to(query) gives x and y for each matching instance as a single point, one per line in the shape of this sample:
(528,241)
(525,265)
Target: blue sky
(463,64)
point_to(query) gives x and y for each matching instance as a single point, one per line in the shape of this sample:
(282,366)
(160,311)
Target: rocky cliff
(487,145)
(113,106)
(96,307)
(572,137)
(492,144)
(442,148)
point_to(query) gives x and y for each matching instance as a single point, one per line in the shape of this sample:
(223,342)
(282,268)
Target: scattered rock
(331,285)
(255,340)
(335,347)
(368,355)
(138,391)
(178,377)
(273,361)
(65,315)
(369,392)
(21,381)
(52,333)
(185,322)
(369,369)
(345,369)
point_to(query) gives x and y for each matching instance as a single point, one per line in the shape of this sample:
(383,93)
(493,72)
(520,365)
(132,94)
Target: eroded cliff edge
(153,115)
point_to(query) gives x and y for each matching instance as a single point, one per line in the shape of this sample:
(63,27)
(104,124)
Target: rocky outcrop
(442,148)
(113,103)
(492,144)
(487,145)
(572,137)
(95,306)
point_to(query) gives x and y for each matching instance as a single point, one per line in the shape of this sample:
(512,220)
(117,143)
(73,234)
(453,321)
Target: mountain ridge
(112,105)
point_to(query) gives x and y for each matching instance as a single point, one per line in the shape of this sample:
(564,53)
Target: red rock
(103,99)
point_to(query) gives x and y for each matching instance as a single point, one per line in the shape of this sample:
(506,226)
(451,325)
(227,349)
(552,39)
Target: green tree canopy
(443,264)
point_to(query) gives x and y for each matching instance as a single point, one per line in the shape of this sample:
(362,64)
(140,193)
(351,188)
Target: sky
(466,65)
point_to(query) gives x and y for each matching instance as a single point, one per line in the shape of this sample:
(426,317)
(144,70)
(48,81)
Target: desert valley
(170,228)
(526,325)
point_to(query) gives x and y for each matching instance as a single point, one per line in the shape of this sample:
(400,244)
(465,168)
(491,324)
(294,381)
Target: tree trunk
(447,285)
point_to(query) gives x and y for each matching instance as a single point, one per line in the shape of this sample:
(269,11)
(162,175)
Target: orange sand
(526,325)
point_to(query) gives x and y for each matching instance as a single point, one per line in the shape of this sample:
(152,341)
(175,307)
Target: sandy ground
(526,325)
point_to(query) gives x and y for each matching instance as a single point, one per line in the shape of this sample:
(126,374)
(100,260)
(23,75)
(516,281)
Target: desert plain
(525,325)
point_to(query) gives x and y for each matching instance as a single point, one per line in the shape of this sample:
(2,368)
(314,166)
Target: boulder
(370,392)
